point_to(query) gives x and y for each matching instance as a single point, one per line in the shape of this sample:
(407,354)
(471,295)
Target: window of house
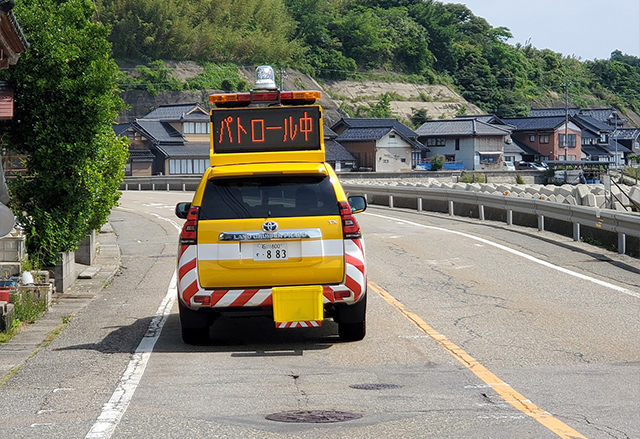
(571,143)
(532,138)
(436,141)
(196,128)
(449,158)
(187,166)
(544,138)
(457,144)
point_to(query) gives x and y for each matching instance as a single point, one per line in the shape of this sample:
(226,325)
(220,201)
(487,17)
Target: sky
(586,29)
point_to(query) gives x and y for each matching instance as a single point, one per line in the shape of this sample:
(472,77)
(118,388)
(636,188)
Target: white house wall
(393,154)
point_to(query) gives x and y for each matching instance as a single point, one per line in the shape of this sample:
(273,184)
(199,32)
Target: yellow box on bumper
(295,307)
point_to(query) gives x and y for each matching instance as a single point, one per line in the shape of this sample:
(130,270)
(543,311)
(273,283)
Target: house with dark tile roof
(380,145)
(609,115)
(175,140)
(170,140)
(546,136)
(477,142)
(336,154)
(629,138)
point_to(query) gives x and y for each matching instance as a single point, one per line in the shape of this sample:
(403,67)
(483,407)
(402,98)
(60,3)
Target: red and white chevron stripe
(189,290)
(308,324)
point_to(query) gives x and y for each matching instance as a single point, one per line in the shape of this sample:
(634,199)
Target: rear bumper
(191,294)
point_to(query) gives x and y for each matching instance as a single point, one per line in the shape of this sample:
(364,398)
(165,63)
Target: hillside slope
(438,100)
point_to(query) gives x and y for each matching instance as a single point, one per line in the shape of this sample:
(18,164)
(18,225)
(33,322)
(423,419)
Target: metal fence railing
(612,221)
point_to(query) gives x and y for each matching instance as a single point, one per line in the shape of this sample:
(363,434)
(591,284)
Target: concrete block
(552,198)
(559,198)
(548,190)
(475,187)
(597,189)
(533,189)
(634,194)
(526,195)
(487,188)
(589,200)
(460,186)
(620,207)
(565,191)
(571,200)
(86,252)
(581,191)
(7,311)
(600,200)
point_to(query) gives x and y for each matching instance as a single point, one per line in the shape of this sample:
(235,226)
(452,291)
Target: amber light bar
(282,97)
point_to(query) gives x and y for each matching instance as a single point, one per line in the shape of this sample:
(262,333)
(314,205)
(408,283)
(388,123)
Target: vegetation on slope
(426,40)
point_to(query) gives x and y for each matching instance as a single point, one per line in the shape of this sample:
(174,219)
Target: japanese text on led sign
(266,129)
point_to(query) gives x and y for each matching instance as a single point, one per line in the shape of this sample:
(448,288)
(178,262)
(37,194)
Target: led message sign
(266,129)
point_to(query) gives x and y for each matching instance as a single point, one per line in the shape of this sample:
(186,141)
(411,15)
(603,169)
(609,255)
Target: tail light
(189,235)
(350,227)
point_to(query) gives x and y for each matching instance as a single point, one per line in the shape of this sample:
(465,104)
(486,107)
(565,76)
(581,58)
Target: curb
(24,345)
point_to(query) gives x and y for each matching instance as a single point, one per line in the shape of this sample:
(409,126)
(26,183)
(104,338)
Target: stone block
(7,311)
(548,190)
(475,187)
(581,191)
(589,200)
(565,191)
(634,194)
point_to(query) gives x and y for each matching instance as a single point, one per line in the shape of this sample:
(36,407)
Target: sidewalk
(91,281)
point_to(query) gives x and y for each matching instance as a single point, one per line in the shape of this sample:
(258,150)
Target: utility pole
(566,130)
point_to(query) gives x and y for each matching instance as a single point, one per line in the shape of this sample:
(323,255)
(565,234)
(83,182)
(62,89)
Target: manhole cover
(375,386)
(313,416)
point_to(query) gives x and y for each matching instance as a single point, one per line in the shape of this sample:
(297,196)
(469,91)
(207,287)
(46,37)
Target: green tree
(66,101)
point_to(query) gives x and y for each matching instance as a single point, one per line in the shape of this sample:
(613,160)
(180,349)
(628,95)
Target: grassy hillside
(412,41)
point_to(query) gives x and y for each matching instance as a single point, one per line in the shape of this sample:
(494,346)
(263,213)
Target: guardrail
(622,224)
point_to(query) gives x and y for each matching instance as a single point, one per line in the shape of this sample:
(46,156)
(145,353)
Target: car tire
(352,331)
(194,325)
(352,323)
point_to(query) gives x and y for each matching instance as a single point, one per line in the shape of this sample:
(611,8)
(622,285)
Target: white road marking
(113,410)
(518,253)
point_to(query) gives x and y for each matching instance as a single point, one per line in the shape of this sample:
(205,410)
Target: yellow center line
(504,390)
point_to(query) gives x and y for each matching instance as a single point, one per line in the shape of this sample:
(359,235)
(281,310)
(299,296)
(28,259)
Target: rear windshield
(265,197)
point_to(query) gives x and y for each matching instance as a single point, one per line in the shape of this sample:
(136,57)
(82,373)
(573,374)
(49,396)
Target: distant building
(380,145)
(478,142)
(546,136)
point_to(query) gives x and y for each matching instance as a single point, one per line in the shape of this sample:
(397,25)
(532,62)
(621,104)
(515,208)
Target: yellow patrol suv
(270,231)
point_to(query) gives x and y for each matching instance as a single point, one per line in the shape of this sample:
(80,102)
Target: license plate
(271,251)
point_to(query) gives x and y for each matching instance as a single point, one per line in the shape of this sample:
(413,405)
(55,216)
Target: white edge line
(518,253)
(114,409)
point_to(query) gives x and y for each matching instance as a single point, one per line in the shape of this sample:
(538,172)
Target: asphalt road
(475,330)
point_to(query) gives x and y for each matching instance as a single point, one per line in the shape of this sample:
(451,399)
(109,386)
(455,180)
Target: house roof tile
(336,152)
(179,112)
(158,131)
(535,123)
(462,127)
(187,150)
